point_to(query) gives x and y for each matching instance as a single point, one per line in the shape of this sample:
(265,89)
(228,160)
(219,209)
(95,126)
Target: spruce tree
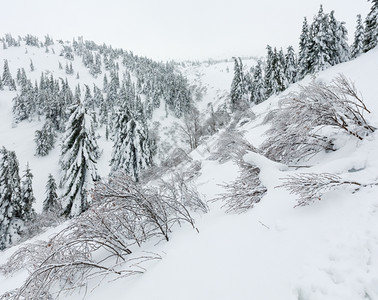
(337,41)
(7,76)
(258,89)
(358,44)
(132,146)
(78,160)
(291,66)
(237,86)
(45,138)
(51,204)
(11,222)
(318,56)
(304,41)
(31,66)
(27,195)
(371,27)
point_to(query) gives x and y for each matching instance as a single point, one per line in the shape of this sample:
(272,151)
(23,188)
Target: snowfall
(327,250)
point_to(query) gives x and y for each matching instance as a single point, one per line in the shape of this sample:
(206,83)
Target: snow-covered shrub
(145,211)
(98,242)
(295,126)
(311,186)
(244,192)
(231,144)
(247,189)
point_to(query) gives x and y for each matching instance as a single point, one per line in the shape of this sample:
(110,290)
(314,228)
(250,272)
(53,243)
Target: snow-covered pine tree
(371,27)
(291,66)
(7,76)
(258,89)
(304,41)
(88,99)
(358,43)
(274,72)
(337,41)
(236,85)
(318,56)
(31,66)
(132,146)
(11,223)
(24,105)
(78,161)
(45,138)
(27,195)
(50,204)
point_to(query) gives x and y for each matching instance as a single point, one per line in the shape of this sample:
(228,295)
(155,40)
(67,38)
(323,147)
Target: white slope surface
(325,251)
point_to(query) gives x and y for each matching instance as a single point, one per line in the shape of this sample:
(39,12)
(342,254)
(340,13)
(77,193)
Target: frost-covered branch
(244,192)
(295,125)
(311,186)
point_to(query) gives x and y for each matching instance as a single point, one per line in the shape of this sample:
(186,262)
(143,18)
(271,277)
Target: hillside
(325,250)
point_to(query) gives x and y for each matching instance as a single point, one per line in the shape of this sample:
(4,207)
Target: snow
(327,250)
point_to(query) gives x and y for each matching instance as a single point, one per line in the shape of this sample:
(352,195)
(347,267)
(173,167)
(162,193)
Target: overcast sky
(175,29)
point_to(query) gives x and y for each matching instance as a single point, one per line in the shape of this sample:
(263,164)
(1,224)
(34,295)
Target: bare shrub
(148,211)
(311,186)
(247,189)
(98,243)
(231,144)
(295,126)
(243,193)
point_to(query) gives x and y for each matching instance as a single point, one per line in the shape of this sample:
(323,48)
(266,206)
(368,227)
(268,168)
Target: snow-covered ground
(327,250)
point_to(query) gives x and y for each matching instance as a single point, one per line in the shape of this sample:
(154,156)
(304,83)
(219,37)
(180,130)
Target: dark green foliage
(7,76)
(45,139)
(11,222)
(27,196)
(132,147)
(51,204)
(238,93)
(371,27)
(78,160)
(359,36)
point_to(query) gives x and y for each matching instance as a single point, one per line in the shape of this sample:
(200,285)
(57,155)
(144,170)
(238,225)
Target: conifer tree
(291,66)
(27,196)
(132,146)
(318,56)
(337,41)
(50,204)
(237,86)
(88,99)
(7,76)
(24,105)
(45,138)
(304,41)
(78,160)
(358,44)
(31,66)
(11,223)
(371,27)
(258,89)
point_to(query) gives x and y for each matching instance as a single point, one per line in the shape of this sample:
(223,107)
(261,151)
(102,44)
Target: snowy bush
(231,144)
(311,186)
(295,126)
(247,189)
(244,192)
(98,243)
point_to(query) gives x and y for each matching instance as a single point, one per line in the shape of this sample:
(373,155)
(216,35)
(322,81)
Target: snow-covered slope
(327,250)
